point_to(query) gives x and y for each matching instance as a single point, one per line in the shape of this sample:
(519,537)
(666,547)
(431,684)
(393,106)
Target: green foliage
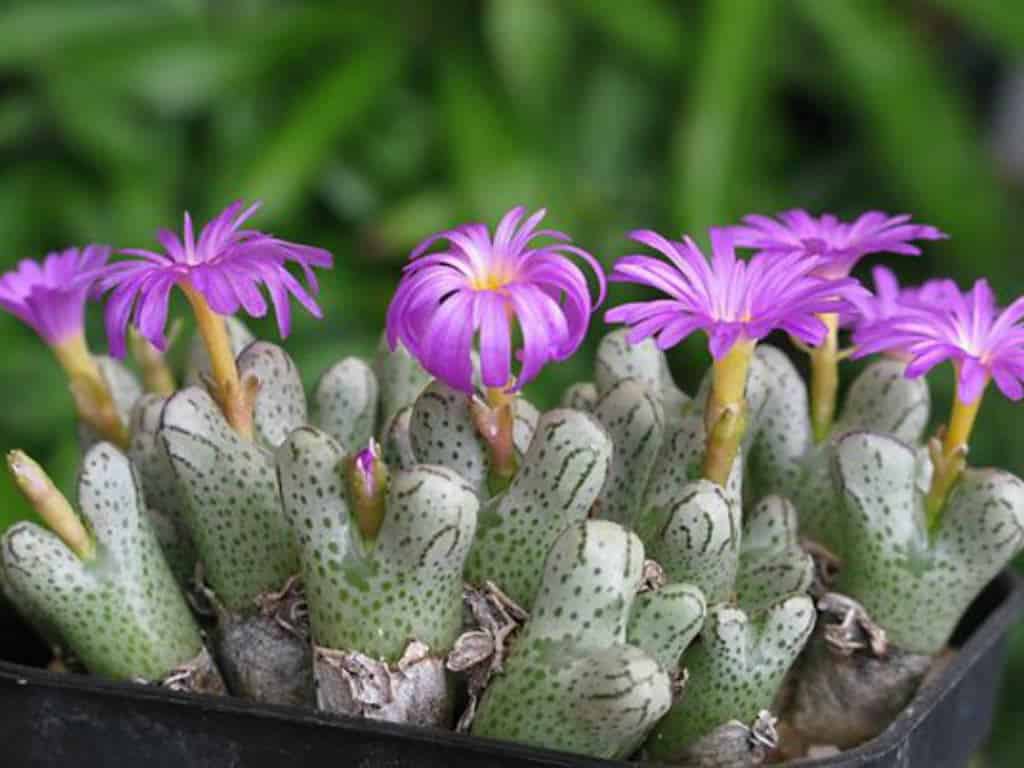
(367,127)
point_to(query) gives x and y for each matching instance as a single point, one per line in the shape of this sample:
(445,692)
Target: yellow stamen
(235,397)
(825,378)
(93,400)
(50,504)
(725,412)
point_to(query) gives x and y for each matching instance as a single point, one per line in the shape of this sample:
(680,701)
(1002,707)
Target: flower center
(491,280)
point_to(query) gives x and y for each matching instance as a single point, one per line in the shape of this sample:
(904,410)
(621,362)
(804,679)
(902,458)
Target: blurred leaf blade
(920,126)
(323,115)
(706,165)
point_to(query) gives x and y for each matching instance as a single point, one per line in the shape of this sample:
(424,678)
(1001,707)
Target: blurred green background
(366,126)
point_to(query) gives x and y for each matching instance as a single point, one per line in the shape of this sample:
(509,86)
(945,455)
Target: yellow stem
(235,400)
(51,505)
(825,378)
(725,415)
(156,374)
(93,399)
(950,457)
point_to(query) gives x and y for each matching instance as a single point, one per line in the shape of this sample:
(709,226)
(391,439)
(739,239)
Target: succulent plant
(232,506)
(125,390)
(559,478)
(734,671)
(164,501)
(573,680)
(912,583)
(383,576)
(108,592)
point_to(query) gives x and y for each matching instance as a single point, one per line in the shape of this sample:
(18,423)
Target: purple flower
(51,297)
(967,329)
(477,285)
(226,266)
(839,245)
(365,464)
(890,300)
(729,299)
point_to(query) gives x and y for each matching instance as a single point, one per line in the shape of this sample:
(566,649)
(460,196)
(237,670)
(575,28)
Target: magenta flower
(227,266)
(837,244)
(967,329)
(50,297)
(729,299)
(891,300)
(476,285)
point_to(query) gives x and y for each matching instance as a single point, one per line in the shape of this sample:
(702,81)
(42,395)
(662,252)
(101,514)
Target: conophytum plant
(640,572)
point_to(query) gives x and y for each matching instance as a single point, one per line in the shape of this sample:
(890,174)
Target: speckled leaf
(696,538)
(346,403)
(916,588)
(559,479)
(772,563)
(281,402)
(125,390)
(397,442)
(665,621)
(525,424)
(734,671)
(232,502)
(401,380)
(442,432)
(634,420)
(121,613)
(164,501)
(198,359)
(580,397)
(779,431)
(571,681)
(882,400)
(375,597)
(678,463)
(819,510)
(617,359)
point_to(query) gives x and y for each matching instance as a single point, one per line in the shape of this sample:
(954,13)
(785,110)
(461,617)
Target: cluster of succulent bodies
(637,572)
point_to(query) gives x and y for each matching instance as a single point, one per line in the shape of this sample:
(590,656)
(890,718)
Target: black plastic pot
(52,719)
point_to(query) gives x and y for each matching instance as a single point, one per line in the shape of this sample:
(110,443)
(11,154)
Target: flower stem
(825,378)
(93,399)
(725,416)
(156,374)
(949,458)
(495,421)
(235,400)
(50,504)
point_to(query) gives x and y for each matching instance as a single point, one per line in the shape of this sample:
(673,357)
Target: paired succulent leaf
(689,525)
(164,501)
(346,403)
(232,502)
(558,481)
(376,594)
(772,562)
(734,671)
(120,611)
(572,681)
(915,585)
